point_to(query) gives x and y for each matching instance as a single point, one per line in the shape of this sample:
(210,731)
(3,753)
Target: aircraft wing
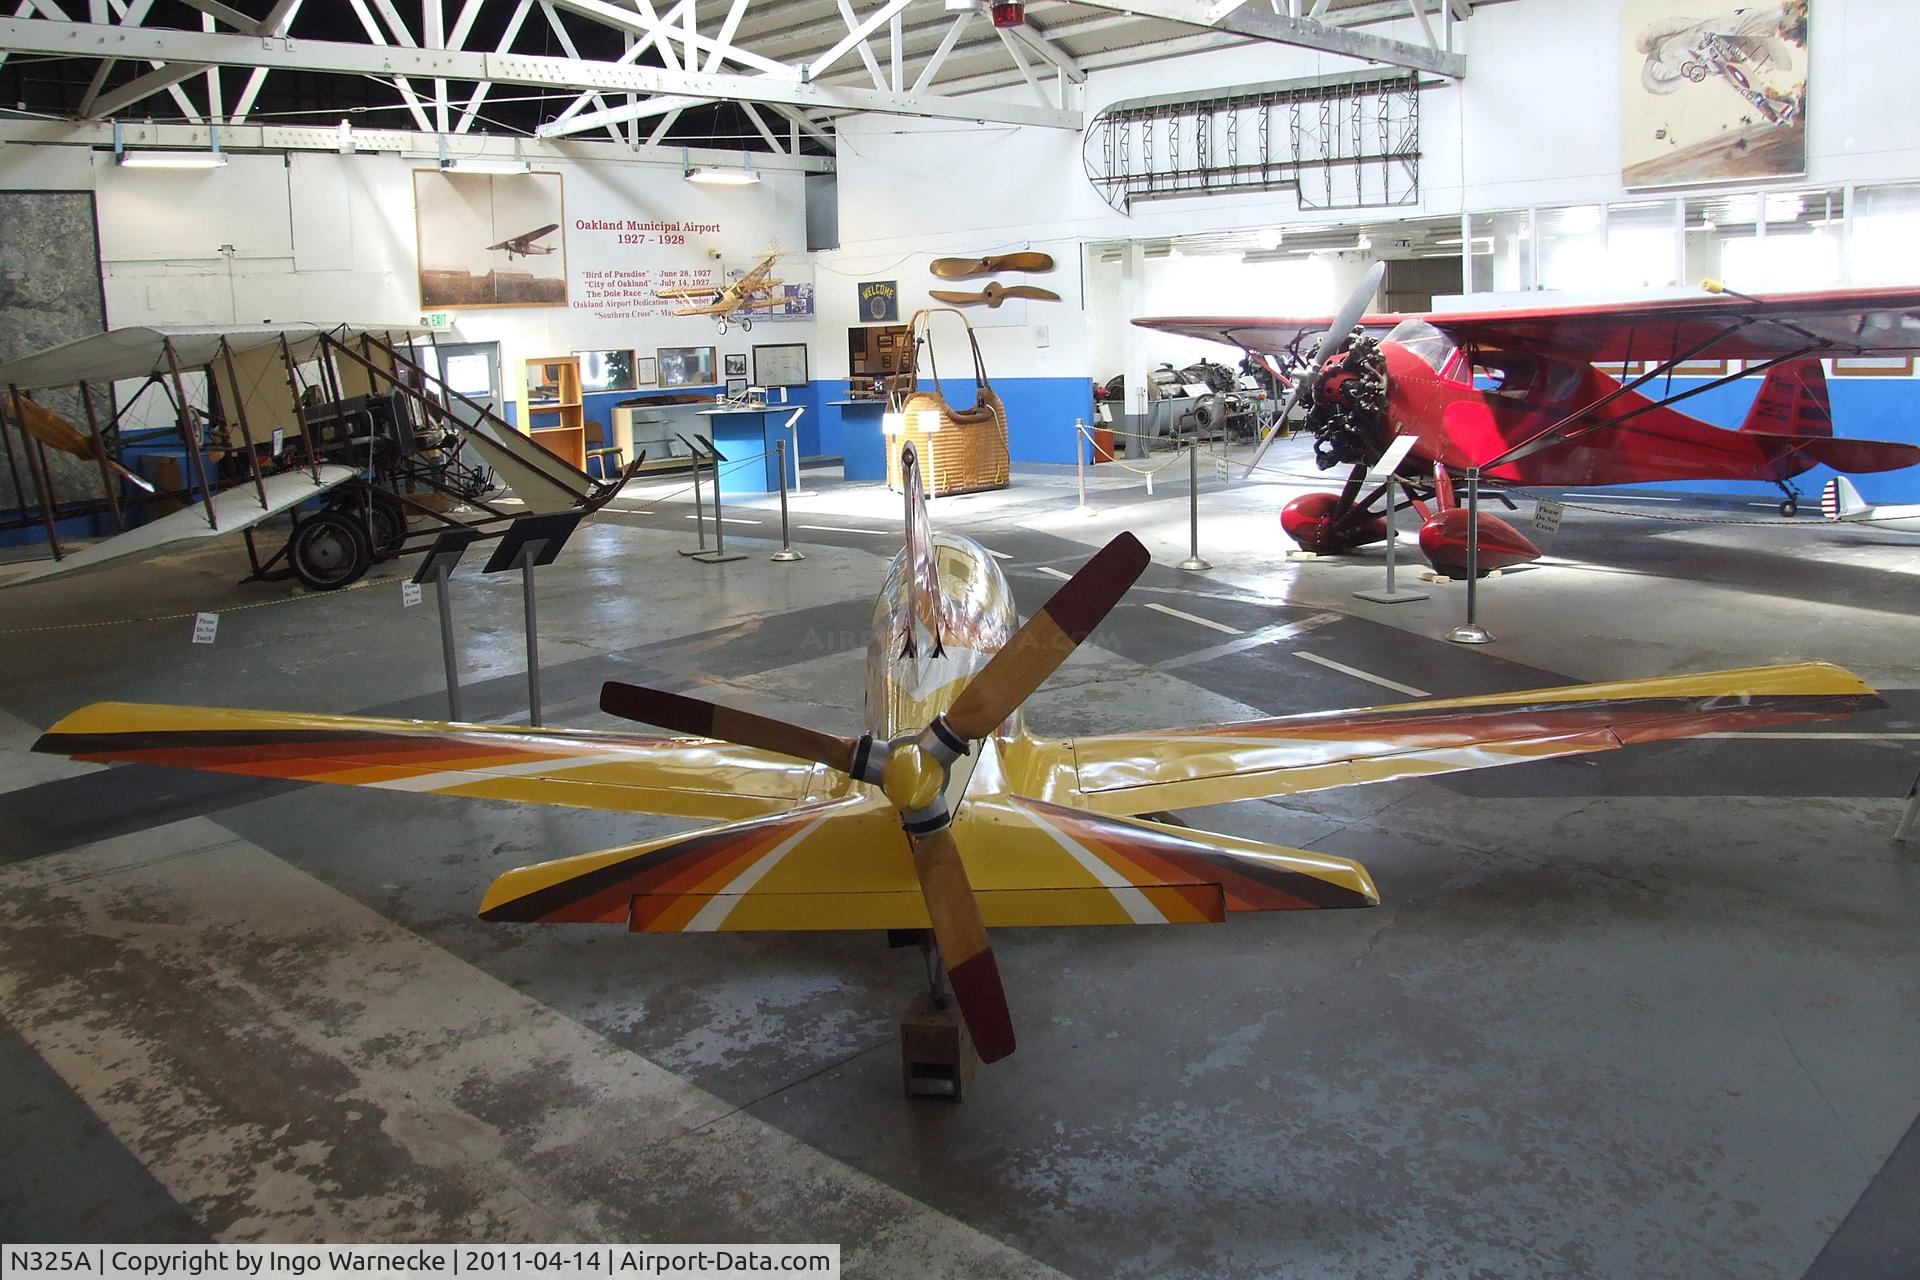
(1183,768)
(676,777)
(844,864)
(233,510)
(1263,333)
(1711,326)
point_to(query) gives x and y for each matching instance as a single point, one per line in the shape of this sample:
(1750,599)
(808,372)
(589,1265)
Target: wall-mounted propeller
(994,294)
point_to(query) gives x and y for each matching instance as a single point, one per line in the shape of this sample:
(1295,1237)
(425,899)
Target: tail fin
(1840,500)
(1792,402)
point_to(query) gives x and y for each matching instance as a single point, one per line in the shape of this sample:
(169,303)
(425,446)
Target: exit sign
(438,321)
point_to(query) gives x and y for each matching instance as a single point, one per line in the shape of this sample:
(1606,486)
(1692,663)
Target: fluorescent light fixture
(721,175)
(170,159)
(481,164)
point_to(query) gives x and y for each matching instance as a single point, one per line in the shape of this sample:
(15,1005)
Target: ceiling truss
(792,68)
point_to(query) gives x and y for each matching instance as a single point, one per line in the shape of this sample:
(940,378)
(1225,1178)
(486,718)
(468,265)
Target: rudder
(1792,402)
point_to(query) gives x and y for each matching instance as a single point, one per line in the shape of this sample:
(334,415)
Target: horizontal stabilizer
(1840,453)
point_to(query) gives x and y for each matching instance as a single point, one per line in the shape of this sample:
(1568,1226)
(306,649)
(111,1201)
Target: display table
(863,446)
(740,432)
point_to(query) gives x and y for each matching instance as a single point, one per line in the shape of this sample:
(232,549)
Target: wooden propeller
(961,268)
(994,294)
(913,770)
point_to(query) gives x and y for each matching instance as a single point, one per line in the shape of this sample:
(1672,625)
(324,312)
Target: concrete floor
(1644,1014)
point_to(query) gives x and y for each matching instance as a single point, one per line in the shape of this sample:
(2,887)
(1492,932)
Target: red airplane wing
(1712,327)
(1709,326)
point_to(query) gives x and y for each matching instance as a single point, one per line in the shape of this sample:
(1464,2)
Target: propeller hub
(911,778)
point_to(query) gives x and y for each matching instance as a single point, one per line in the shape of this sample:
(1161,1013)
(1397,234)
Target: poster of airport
(1712,92)
(490,240)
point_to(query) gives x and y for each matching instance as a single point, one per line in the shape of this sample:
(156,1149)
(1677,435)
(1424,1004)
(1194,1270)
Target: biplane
(343,429)
(1525,397)
(946,816)
(757,290)
(524,246)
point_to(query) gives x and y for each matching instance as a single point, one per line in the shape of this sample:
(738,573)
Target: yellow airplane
(946,815)
(757,290)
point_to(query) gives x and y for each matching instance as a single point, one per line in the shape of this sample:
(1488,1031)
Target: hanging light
(720,175)
(212,158)
(1009,13)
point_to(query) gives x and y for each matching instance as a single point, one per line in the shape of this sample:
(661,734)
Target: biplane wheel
(746,324)
(722,328)
(329,550)
(387,521)
(1790,508)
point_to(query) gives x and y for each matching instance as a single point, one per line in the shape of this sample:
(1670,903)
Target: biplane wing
(675,777)
(844,864)
(1183,768)
(680,292)
(1270,334)
(234,509)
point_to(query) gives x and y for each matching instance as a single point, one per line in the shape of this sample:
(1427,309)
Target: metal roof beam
(89,40)
(1258,20)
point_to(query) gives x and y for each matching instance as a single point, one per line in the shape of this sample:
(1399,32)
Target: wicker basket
(968,452)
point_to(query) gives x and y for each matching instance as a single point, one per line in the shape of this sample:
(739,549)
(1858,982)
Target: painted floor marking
(836,528)
(1358,674)
(727,519)
(1253,640)
(1197,620)
(998,555)
(1052,572)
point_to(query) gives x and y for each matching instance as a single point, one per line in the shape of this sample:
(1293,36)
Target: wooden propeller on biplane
(913,770)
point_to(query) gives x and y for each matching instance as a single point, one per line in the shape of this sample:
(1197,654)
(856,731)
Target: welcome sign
(880,300)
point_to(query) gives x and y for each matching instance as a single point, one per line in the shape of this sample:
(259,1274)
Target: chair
(598,448)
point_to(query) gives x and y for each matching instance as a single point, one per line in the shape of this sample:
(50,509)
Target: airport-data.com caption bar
(331,1262)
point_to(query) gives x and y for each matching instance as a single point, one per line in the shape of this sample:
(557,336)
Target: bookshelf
(556,416)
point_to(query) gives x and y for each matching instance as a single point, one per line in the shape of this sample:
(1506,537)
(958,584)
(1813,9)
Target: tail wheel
(329,550)
(1790,507)
(746,324)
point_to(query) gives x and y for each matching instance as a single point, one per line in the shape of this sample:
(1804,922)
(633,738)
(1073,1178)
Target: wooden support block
(937,1057)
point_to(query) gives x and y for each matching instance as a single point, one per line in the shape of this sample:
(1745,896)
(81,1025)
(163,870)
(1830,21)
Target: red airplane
(1518,395)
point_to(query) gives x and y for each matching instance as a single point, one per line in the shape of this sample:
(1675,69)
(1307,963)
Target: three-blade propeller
(1338,338)
(913,769)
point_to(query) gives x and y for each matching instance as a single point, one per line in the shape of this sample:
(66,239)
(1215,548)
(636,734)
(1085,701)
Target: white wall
(330,238)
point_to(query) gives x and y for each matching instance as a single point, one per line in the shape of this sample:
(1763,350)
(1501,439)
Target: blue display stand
(739,433)
(863,446)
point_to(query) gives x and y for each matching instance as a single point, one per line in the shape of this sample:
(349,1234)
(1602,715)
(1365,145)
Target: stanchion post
(438,568)
(1193,563)
(529,542)
(1904,832)
(786,554)
(528,555)
(1081,440)
(1472,632)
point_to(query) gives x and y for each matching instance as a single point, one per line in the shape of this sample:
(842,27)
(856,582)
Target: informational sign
(438,321)
(409,594)
(1221,469)
(1546,515)
(204,625)
(880,300)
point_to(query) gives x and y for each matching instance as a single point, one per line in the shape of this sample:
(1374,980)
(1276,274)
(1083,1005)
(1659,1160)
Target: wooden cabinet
(556,417)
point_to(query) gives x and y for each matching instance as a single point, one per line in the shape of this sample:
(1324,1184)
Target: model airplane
(523,246)
(946,815)
(757,290)
(1842,502)
(1517,394)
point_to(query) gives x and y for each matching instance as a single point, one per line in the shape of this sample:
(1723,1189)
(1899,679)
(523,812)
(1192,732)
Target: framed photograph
(490,239)
(643,371)
(608,370)
(1711,92)
(883,342)
(686,366)
(1873,366)
(736,364)
(736,387)
(783,364)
